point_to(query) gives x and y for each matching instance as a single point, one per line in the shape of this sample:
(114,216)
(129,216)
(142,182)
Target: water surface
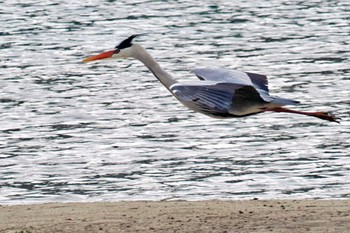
(110,131)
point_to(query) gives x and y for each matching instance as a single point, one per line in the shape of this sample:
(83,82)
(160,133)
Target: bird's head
(123,50)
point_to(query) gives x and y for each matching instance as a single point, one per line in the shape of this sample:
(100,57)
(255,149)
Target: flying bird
(219,93)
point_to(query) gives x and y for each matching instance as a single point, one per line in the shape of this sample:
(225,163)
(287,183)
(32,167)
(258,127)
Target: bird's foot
(327,116)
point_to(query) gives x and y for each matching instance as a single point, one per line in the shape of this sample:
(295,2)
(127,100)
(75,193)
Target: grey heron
(220,93)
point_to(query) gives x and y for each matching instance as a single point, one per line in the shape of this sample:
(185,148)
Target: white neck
(143,56)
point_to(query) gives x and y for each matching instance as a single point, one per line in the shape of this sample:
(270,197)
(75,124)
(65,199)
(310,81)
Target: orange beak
(100,56)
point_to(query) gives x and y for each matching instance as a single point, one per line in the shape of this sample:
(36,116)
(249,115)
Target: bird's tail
(282,101)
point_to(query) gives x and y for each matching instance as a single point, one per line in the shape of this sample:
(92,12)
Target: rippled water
(110,131)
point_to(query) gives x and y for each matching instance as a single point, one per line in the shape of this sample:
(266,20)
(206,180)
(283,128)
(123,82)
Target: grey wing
(258,81)
(209,98)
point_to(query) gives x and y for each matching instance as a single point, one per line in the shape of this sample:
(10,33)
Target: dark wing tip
(259,79)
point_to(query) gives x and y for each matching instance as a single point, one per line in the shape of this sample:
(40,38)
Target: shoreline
(301,215)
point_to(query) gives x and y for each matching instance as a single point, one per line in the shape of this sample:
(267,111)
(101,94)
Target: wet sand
(179,216)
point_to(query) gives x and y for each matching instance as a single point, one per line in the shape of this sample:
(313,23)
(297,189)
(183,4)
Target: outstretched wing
(258,81)
(210,98)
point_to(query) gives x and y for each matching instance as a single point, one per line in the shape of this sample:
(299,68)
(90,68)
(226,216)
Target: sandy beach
(179,216)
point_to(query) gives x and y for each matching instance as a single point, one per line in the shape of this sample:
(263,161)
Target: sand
(179,216)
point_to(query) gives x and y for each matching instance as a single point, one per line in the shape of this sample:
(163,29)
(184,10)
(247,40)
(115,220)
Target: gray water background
(109,131)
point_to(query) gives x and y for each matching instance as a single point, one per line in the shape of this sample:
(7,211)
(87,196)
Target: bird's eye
(117,50)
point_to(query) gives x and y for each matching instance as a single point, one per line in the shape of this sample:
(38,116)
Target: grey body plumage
(227,93)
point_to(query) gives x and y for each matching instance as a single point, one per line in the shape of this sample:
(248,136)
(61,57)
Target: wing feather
(222,75)
(258,81)
(206,97)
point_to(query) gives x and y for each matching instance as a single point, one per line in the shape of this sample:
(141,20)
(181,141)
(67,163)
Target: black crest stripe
(126,43)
